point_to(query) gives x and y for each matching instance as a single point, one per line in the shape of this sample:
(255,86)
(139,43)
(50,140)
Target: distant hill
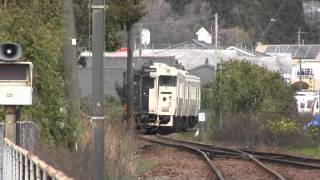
(172,21)
(312,14)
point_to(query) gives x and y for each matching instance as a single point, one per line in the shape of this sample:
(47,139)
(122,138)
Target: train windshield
(168,80)
(147,82)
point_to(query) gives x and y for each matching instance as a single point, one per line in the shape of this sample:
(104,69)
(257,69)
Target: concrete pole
(10,123)
(220,69)
(130,89)
(97,112)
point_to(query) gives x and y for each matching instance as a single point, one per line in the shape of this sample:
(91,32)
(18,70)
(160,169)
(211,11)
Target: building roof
(202,66)
(193,44)
(193,58)
(304,51)
(245,52)
(202,30)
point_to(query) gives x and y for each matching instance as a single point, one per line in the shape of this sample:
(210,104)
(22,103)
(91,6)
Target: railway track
(202,154)
(272,157)
(209,151)
(212,151)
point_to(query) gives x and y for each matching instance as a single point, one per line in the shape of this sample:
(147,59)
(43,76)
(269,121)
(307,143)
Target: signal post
(10,123)
(15,85)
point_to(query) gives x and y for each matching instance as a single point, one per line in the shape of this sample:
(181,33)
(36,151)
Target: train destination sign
(148,70)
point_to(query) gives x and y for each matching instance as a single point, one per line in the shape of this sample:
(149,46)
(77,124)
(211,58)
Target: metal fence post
(38,176)
(26,168)
(31,171)
(4,161)
(20,166)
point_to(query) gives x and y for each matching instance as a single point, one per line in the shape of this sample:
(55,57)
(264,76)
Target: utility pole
(141,37)
(300,60)
(299,36)
(130,75)
(10,122)
(97,112)
(216,19)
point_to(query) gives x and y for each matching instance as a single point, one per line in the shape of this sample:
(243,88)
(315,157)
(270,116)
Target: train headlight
(164,99)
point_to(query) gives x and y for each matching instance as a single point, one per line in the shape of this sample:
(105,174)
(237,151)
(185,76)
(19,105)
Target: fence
(19,163)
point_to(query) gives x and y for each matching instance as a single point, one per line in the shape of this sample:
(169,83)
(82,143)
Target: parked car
(306,101)
(315,122)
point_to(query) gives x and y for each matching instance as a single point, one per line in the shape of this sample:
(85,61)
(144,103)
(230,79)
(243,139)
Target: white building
(305,62)
(204,35)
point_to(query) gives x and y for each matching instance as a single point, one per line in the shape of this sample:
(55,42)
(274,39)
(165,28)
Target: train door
(167,94)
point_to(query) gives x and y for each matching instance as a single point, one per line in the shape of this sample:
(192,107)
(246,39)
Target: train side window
(302,105)
(309,104)
(167,80)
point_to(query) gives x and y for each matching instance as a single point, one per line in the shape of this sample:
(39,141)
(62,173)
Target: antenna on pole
(300,60)
(299,35)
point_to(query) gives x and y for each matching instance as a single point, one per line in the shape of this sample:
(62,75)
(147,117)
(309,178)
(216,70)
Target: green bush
(256,103)
(249,88)
(37,27)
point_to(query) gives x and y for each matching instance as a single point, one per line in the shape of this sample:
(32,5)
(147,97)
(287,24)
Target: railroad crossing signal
(15,85)
(15,76)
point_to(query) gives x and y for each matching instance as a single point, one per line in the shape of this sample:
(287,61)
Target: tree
(117,15)
(250,16)
(130,12)
(37,27)
(251,89)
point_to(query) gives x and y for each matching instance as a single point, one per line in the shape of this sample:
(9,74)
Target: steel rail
(206,147)
(261,157)
(283,161)
(282,156)
(212,167)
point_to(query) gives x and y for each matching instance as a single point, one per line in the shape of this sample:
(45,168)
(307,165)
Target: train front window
(147,82)
(167,80)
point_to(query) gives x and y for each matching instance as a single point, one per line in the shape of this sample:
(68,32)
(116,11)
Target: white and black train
(166,97)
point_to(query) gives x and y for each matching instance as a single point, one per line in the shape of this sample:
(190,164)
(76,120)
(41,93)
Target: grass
(190,136)
(305,151)
(144,165)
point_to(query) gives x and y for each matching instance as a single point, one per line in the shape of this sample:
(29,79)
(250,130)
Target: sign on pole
(145,37)
(201,117)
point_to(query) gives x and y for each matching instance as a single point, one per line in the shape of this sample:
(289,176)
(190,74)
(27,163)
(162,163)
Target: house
(305,62)
(206,73)
(204,35)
